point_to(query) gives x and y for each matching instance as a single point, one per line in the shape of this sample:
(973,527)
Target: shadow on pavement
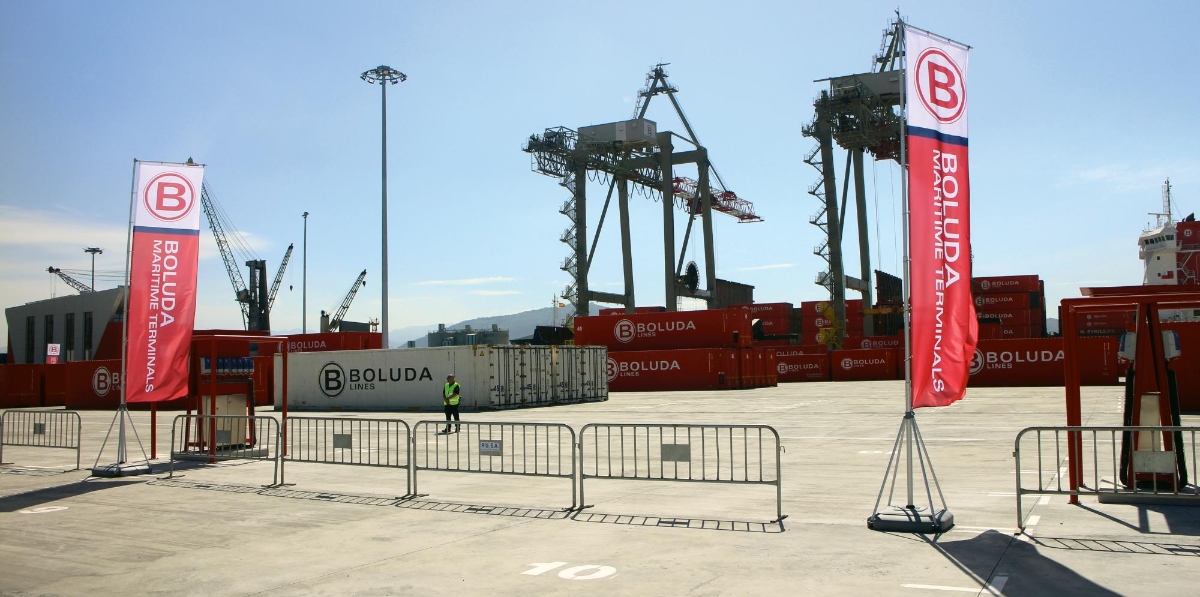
(1116,546)
(543,513)
(489,510)
(1181,520)
(680,523)
(1029,572)
(37,497)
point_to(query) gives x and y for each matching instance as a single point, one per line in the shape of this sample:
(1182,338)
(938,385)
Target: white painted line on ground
(943,588)
(43,509)
(1033,520)
(1044,500)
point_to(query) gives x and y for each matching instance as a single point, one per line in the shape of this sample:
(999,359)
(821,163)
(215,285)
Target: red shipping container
(621,310)
(94,385)
(55,379)
(771,343)
(20,386)
(1001,284)
(714,328)
(874,342)
(1097,332)
(816,323)
(1012,316)
(760,367)
(811,348)
(747,378)
(673,370)
(329,341)
(990,331)
(863,365)
(1106,317)
(772,327)
(770,372)
(1002,302)
(1039,362)
(817,308)
(796,365)
(1015,331)
(767,310)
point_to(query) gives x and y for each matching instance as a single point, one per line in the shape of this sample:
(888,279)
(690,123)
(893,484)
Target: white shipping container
(637,131)
(411,379)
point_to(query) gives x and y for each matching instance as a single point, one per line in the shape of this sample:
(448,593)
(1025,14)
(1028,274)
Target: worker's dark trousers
(451,411)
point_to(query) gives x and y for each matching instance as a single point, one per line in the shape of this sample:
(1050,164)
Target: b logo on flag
(940,86)
(169,197)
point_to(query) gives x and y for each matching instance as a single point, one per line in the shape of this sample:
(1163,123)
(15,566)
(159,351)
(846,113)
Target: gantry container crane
(644,157)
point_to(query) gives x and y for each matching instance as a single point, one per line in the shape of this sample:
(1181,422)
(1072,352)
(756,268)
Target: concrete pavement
(341,530)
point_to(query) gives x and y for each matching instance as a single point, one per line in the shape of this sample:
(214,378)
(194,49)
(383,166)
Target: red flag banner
(162,280)
(944,328)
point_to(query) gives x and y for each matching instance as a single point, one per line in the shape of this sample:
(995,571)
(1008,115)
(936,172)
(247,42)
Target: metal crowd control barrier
(510,448)
(669,452)
(225,437)
(41,429)
(1101,464)
(357,442)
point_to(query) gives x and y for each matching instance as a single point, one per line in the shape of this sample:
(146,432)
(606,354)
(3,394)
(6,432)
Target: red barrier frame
(1148,300)
(211,341)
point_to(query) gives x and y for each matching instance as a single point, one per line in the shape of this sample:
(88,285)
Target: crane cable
(875,190)
(233,237)
(895,243)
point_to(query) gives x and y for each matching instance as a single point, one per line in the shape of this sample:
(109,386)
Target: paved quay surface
(341,530)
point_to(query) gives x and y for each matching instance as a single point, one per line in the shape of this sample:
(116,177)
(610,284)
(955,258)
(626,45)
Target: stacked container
(775,318)
(1010,307)
(685,350)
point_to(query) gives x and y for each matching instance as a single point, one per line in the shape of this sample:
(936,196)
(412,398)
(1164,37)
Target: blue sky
(1079,110)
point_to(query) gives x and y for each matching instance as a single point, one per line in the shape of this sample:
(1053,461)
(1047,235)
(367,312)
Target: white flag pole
(121,467)
(908,518)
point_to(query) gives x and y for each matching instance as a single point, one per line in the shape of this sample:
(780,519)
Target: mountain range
(518,325)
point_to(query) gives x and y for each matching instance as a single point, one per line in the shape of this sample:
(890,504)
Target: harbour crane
(256,299)
(329,324)
(72,282)
(647,160)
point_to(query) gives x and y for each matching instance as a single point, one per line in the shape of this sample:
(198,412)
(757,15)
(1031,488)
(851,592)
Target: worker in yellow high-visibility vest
(450,399)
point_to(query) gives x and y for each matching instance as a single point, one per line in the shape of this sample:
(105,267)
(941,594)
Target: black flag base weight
(121,468)
(910,518)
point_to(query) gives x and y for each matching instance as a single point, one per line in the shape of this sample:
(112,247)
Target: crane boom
(72,282)
(336,321)
(231,267)
(279,276)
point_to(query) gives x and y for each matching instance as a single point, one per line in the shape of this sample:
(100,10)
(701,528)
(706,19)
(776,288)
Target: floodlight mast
(384,75)
(93,251)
